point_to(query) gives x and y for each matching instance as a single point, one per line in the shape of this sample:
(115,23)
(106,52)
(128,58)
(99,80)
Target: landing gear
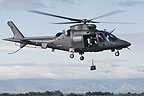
(117,53)
(82,58)
(71,50)
(71,55)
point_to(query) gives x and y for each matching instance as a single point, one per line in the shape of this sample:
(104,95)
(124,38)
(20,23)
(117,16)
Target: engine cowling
(91,26)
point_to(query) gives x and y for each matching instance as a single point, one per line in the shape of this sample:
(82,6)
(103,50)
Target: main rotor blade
(113,22)
(43,13)
(67,22)
(109,14)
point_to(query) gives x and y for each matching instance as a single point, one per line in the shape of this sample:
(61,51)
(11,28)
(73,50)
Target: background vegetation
(58,93)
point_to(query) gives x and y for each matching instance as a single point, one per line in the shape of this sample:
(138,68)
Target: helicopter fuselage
(82,39)
(79,38)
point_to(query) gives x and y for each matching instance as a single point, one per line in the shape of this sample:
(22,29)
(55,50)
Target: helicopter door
(90,41)
(77,42)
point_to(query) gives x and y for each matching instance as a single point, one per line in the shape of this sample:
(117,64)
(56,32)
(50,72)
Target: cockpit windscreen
(110,37)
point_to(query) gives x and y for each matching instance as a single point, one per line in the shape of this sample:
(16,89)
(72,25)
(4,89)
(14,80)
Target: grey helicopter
(79,38)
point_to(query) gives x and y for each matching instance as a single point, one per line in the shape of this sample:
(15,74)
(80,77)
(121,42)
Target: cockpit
(94,40)
(110,37)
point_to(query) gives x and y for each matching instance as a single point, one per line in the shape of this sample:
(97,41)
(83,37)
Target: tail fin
(15,30)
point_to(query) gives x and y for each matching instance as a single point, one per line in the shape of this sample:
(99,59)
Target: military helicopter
(80,38)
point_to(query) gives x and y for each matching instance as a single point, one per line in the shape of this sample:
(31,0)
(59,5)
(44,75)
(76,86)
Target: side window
(101,37)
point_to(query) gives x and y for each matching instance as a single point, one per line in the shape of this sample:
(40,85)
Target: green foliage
(58,93)
(98,93)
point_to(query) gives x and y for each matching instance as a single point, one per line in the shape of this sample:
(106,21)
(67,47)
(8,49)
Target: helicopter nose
(125,43)
(128,44)
(122,43)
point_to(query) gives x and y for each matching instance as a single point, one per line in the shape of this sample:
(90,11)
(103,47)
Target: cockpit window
(110,37)
(101,37)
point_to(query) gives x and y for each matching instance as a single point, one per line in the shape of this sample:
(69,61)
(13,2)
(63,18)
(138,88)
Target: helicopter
(79,38)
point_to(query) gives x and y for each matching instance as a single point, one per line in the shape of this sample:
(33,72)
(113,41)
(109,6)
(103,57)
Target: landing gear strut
(81,57)
(71,50)
(93,67)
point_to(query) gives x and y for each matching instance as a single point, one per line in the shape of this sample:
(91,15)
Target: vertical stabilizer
(15,30)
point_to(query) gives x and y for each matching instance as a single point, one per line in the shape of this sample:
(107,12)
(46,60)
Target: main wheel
(71,55)
(82,58)
(117,53)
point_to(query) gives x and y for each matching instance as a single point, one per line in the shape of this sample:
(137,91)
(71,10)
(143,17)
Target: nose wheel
(117,53)
(82,58)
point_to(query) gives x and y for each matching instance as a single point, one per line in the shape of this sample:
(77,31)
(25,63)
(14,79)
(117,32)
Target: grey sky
(21,4)
(131,3)
(37,63)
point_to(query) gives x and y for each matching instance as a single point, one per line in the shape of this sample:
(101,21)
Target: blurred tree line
(58,93)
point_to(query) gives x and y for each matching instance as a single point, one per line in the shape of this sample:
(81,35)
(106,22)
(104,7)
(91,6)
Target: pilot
(89,42)
(92,42)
